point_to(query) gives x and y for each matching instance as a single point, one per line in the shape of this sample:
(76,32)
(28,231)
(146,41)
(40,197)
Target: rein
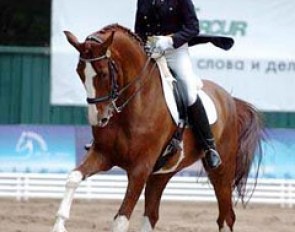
(113,70)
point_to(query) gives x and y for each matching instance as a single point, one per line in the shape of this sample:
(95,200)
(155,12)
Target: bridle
(115,93)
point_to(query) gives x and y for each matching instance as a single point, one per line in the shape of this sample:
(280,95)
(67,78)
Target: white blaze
(90,91)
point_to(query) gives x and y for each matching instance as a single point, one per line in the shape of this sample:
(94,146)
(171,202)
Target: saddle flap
(167,84)
(209,106)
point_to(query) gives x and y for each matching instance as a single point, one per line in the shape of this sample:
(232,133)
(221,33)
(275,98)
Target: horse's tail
(251,134)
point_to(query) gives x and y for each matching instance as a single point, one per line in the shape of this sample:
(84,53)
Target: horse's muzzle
(100,114)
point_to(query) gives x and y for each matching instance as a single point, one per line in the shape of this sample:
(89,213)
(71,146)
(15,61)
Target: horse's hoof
(146,225)
(120,224)
(225,229)
(59,226)
(59,229)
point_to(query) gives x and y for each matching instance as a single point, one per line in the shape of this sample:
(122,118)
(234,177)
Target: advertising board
(259,68)
(47,149)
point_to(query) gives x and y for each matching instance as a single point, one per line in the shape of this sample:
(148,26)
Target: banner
(278,154)
(259,68)
(59,149)
(43,149)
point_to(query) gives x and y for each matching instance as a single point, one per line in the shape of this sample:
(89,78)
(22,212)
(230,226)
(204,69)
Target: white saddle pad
(167,80)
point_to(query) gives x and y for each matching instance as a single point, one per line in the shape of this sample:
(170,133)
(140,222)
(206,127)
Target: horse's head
(103,56)
(98,73)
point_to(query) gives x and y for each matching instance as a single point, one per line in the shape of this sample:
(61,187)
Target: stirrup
(212,158)
(87,146)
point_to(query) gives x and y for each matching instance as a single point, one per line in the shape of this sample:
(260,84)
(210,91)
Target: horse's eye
(102,75)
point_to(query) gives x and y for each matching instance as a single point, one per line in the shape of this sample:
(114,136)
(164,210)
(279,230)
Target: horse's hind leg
(92,164)
(223,191)
(153,193)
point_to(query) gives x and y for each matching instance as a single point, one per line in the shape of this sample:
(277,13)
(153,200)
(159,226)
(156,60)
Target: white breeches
(179,61)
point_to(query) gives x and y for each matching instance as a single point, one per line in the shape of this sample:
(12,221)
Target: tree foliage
(25,22)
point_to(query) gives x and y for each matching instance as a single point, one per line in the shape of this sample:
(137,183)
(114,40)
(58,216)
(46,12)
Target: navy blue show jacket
(167,17)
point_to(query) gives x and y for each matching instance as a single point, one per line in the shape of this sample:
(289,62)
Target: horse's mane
(118,27)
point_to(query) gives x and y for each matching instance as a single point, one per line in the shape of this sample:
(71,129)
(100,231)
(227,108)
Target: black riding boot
(198,119)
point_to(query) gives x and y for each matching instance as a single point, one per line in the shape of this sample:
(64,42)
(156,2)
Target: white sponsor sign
(259,68)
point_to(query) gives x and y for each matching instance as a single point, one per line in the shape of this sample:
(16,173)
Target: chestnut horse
(131,127)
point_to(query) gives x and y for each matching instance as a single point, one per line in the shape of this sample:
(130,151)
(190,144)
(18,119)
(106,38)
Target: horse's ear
(72,40)
(108,41)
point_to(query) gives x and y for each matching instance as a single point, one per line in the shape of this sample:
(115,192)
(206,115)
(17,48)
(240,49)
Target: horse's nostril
(104,120)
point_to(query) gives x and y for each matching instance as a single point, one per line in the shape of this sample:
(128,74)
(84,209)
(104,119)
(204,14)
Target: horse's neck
(143,117)
(148,104)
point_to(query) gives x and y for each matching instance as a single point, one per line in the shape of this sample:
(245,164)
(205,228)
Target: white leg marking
(146,225)
(90,90)
(120,224)
(63,213)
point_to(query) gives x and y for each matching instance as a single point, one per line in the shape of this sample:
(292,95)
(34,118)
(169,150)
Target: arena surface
(96,216)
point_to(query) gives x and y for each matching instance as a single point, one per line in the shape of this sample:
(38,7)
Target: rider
(175,23)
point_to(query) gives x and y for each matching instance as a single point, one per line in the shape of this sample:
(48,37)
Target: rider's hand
(164,43)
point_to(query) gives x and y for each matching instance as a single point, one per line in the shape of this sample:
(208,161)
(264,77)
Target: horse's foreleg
(153,193)
(136,182)
(73,181)
(92,164)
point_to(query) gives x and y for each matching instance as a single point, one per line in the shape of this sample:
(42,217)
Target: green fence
(25,89)
(25,92)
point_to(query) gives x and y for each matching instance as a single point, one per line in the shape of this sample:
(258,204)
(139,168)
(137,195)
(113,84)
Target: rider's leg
(200,125)
(180,62)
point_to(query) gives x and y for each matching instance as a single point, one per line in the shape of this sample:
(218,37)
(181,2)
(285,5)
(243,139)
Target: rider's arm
(190,23)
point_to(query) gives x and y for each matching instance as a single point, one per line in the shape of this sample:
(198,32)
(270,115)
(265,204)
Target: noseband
(113,70)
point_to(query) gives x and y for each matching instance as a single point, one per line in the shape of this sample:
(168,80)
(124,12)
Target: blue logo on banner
(37,149)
